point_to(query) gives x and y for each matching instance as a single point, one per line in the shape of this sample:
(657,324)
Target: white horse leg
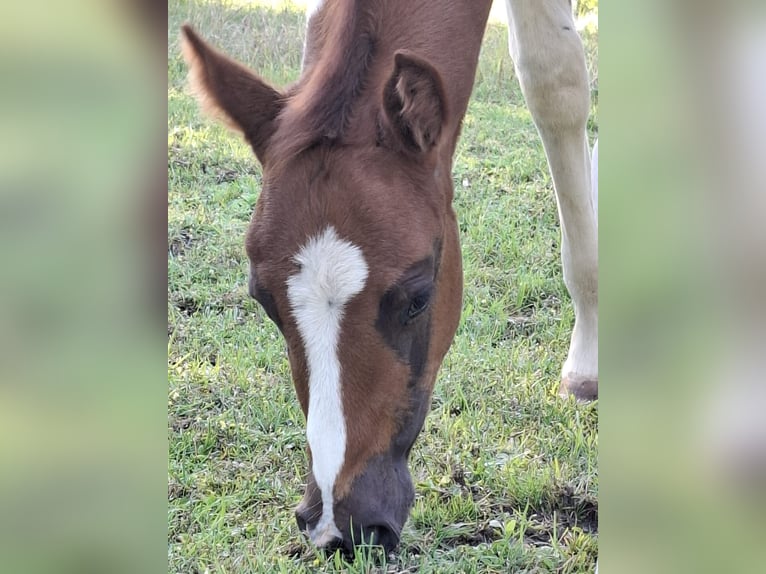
(312,7)
(550,64)
(594,179)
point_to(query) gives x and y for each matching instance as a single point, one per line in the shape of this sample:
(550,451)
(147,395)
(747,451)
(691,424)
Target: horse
(353,244)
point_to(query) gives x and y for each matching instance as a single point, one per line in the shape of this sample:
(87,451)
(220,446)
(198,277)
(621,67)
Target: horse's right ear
(231,92)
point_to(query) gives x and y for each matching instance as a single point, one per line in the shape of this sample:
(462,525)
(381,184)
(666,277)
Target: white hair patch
(331,272)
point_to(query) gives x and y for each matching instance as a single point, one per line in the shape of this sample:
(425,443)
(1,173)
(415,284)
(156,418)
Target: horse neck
(350,50)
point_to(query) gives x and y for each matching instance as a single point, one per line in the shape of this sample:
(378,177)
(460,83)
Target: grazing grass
(505,473)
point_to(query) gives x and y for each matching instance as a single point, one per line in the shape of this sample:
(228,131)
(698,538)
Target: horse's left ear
(414,104)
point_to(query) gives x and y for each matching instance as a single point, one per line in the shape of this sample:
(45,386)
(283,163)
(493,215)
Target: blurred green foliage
(585,7)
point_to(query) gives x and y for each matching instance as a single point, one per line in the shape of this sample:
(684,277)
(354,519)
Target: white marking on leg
(594,179)
(550,64)
(332,271)
(312,7)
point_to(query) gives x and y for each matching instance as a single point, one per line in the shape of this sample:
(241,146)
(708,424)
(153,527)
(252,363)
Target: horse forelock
(340,48)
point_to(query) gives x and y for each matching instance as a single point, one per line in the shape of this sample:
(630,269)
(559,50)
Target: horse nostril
(333,545)
(380,535)
(300,518)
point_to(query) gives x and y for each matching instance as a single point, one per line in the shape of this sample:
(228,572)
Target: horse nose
(307,523)
(301,518)
(333,544)
(373,535)
(379,535)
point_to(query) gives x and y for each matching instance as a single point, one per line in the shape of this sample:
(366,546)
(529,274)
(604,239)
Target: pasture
(505,472)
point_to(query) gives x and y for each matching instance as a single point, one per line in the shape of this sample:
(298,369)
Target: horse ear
(230,92)
(414,103)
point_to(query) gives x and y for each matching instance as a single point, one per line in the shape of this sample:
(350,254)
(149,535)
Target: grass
(505,473)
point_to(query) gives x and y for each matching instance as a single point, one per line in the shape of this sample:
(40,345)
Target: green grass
(505,473)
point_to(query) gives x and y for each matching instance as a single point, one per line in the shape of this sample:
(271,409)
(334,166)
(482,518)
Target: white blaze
(331,272)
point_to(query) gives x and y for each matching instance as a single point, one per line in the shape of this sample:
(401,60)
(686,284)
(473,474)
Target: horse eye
(418,304)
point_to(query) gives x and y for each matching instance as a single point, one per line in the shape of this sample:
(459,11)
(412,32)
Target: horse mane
(341,42)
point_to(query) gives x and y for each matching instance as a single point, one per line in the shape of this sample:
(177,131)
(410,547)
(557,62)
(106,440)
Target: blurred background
(682,254)
(82,349)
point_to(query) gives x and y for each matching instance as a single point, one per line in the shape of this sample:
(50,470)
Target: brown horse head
(353,246)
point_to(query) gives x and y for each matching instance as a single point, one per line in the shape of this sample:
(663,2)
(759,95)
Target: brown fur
(362,142)
(320,107)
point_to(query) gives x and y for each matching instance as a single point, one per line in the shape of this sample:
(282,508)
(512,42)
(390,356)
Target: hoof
(584,390)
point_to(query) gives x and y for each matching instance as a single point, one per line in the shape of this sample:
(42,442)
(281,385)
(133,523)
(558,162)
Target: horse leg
(550,63)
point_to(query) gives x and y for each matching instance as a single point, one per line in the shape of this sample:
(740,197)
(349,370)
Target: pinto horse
(353,245)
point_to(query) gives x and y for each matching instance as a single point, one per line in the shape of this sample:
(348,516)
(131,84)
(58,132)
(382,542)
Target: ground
(505,472)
